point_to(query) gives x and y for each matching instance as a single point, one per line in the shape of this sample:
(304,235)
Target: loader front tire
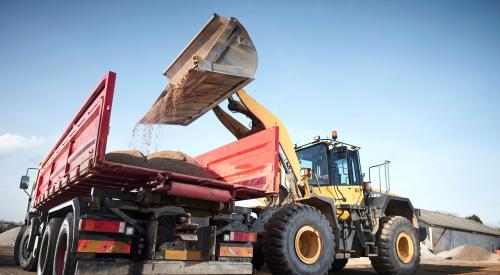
(298,240)
(398,247)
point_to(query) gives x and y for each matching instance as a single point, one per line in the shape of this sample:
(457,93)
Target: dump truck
(88,214)
(313,208)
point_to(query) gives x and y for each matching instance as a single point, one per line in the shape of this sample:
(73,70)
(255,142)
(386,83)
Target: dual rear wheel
(62,264)
(49,238)
(53,253)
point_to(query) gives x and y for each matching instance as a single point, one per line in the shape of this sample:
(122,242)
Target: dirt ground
(355,266)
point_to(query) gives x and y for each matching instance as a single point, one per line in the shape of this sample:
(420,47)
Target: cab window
(345,167)
(340,167)
(316,159)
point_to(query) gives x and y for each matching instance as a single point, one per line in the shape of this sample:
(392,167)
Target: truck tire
(46,251)
(298,240)
(62,262)
(398,247)
(26,259)
(338,264)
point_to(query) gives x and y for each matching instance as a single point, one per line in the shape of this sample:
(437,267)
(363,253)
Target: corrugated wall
(445,239)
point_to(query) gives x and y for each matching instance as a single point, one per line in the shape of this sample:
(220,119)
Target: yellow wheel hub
(308,244)
(404,247)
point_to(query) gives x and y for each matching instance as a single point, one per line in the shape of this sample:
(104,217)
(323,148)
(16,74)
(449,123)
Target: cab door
(345,174)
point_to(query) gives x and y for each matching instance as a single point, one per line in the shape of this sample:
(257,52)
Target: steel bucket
(220,60)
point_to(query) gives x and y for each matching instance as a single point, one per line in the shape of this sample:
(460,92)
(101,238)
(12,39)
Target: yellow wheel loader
(325,212)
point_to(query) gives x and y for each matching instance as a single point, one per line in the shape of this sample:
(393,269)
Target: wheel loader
(326,211)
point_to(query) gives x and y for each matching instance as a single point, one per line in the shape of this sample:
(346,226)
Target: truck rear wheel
(46,251)
(338,264)
(26,259)
(398,247)
(63,263)
(298,240)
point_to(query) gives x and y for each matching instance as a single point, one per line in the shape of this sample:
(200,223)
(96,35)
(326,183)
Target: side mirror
(25,180)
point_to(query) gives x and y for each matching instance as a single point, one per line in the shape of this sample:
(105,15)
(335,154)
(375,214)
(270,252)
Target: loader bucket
(220,60)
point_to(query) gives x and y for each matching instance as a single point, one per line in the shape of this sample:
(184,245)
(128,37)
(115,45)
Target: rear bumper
(108,266)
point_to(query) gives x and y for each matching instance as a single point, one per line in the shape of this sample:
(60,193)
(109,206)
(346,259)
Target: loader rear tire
(338,264)
(47,246)
(398,247)
(298,240)
(27,260)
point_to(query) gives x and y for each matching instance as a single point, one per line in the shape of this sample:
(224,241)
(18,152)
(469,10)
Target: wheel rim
(404,247)
(308,244)
(60,254)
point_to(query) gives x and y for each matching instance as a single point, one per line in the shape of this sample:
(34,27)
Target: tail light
(103,226)
(243,237)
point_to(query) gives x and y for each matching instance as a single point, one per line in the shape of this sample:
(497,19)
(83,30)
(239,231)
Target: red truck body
(245,169)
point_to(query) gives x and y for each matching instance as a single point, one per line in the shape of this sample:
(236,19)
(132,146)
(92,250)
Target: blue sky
(416,83)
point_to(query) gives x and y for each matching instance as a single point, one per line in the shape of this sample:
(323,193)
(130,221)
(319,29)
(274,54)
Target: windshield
(315,158)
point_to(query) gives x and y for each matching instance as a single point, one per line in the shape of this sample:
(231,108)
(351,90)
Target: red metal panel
(251,161)
(83,142)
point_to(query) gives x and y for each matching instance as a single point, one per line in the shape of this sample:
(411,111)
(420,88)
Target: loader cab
(335,170)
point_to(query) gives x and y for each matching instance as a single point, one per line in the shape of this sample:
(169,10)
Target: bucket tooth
(220,60)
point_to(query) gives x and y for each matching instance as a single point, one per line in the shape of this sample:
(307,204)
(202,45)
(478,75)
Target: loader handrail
(387,179)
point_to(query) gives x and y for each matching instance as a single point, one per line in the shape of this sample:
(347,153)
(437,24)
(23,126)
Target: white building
(445,232)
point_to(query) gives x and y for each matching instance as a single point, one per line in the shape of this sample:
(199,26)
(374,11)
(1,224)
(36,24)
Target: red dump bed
(245,169)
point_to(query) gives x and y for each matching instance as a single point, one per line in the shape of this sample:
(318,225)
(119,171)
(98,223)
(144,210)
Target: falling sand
(147,131)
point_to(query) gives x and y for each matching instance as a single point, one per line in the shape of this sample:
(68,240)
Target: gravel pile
(130,157)
(8,238)
(171,161)
(469,253)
